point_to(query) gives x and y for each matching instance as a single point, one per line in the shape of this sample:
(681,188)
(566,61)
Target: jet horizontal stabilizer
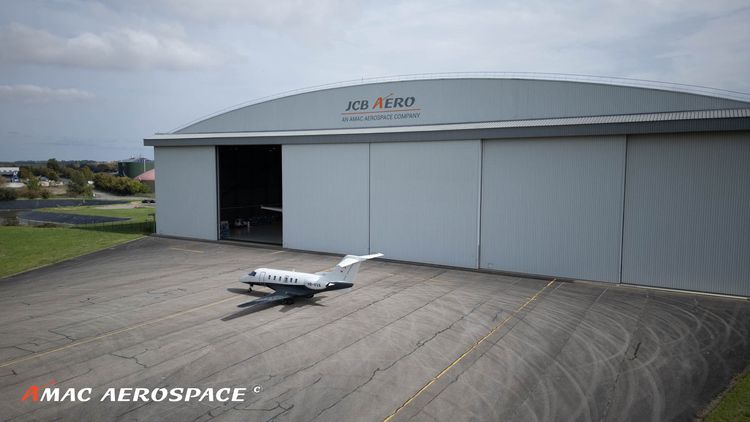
(353,259)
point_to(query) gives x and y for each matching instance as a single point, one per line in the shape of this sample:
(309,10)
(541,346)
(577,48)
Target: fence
(142,227)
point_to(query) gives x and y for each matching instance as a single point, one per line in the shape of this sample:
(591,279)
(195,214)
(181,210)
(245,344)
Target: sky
(85,79)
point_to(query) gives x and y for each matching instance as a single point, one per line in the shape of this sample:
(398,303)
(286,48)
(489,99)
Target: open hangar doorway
(250,193)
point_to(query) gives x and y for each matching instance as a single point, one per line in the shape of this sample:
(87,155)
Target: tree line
(78,180)
(119,185)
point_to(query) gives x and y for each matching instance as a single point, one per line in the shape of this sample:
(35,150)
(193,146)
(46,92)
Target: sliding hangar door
(326,195)
(413,201)
(669,210)
(687,212)
(553,206)
(548,206)
(424,201)
(658,210)
(186,192)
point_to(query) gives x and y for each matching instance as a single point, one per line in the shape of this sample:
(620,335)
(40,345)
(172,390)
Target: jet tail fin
(347,268)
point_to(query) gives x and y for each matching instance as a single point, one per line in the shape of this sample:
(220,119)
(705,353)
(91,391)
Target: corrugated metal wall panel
(326,197)
(186,192)
(553,206)
(424,201)
(687,212)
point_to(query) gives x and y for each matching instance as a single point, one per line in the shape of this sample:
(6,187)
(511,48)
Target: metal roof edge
(560,121)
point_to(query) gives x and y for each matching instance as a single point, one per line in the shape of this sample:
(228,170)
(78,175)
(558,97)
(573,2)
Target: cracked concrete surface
(154,314)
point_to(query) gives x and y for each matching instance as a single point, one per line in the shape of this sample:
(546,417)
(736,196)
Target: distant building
(134,166)
(148,178)
(10,173)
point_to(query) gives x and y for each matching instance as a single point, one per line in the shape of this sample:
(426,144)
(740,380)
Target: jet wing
(269,298)
(292,291)
(277,209)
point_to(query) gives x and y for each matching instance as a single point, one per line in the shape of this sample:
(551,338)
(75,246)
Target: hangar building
(571,179)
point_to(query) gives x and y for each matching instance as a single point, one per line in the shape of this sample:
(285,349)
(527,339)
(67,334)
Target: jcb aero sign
(388,107)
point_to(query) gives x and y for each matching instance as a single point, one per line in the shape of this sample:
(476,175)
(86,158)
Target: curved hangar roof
(447,108)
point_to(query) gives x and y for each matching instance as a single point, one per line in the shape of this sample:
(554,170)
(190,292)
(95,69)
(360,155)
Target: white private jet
(288,285)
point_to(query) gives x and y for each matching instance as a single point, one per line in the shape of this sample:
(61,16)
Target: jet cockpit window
(252,274)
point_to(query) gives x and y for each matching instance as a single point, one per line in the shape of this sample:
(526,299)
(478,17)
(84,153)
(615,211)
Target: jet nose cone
(245,279)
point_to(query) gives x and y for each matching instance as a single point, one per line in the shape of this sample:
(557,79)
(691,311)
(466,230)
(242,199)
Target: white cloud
(279,13)
(677,41)
(123,48)
(41,94)
(310,22)
(716,50)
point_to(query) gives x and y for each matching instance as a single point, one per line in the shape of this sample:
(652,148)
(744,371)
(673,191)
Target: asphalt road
(407,342)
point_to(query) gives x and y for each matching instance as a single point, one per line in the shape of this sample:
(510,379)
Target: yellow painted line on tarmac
(466,353)
(186,250)
(111,333)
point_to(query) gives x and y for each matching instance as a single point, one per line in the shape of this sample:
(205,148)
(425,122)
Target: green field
(135,214)
(735,405)
(23,248)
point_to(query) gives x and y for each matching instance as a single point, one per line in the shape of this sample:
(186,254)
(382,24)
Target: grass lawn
(23,248)
(735,405)
(135,214)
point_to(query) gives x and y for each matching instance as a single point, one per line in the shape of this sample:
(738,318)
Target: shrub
(8,194)
(79,189)
(25,192)
(78,184)
(87,173)
(10,221)
(119,185)
(25,173)
(54,165)
(105,168)
(32,189)
(46,172)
